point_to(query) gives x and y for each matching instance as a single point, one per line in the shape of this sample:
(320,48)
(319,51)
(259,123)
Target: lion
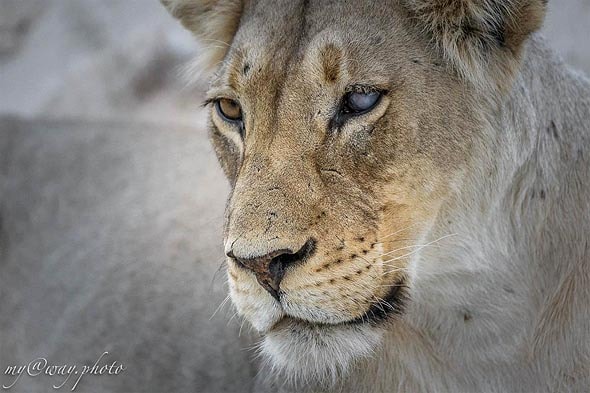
(410,192)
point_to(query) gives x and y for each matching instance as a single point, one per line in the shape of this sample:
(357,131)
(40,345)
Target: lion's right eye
(228,109)
(356,103)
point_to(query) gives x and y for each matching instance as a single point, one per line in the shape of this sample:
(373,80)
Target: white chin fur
(299,353)
(260,309)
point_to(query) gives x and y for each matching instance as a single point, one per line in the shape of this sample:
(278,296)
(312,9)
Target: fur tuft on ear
(213,22)
(481,39)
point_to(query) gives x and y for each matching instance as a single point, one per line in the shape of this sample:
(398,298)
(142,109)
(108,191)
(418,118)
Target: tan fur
(466,185)
(480,38)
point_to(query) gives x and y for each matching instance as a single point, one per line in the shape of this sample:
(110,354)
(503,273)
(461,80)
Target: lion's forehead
(288,46)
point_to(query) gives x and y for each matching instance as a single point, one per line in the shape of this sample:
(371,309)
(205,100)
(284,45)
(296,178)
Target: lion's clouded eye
(356,103)
(228,109)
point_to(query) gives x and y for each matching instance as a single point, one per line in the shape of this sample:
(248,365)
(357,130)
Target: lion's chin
(298,352)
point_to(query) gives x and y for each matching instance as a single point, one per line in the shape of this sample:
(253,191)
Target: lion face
(342,132)
(339,155)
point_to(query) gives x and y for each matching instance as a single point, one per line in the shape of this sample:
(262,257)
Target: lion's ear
(213,22)
(481,39)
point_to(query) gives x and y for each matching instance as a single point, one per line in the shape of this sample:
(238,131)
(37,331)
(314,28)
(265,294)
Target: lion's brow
(238,69)
(331,58)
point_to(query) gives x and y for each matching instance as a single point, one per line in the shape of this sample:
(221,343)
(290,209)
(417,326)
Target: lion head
(343,128)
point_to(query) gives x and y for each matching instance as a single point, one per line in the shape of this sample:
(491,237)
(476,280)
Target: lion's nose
(269,269)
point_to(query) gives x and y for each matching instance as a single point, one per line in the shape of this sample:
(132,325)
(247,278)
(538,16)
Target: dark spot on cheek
(246,69)
(376,40)
(467,316)
(552,130)
(541,194)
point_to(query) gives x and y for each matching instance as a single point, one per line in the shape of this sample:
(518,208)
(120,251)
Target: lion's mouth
(387,307)
(384,309)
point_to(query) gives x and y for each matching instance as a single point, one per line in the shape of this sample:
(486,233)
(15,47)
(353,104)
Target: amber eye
(229,109)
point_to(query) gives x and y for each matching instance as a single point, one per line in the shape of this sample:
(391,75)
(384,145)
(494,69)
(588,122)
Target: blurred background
(111,201)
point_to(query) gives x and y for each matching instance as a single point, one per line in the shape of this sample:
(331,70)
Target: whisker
(394,270)
(396,240)
(241,326)
(257,346)
(399,249)
(232,317)
(391,285)
(420,248)
(214,40)
(223,303)
(400,230)
(222,264)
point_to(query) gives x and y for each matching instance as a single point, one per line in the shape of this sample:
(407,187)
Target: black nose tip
(270,268)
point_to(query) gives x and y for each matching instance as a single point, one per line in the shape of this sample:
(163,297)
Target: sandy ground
(111,200)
